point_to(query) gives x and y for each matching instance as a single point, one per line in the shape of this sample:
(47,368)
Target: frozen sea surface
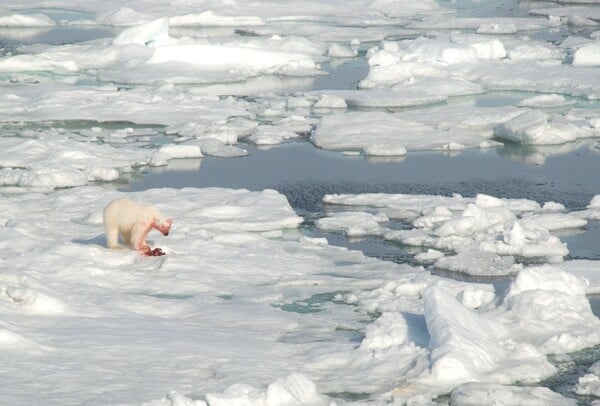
(374,202)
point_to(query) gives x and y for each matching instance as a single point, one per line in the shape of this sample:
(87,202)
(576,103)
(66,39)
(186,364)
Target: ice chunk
(26,20)
(548,278)
(548,307)
(550,100)
(175,398)
(380,133)
(295,390)
(589,384)
(535,52)
(236,212)
(340,51)
(153,33)
(429,256)
(533,127)
(354,224)
(328,101)
(492,49)
(178,151)
(516,235)
(452,22)
(480,236)
(476,393)
(389,330)
(210,19)
(588,55)
(226,57)
(464,344)
(473,298)
(497,28)
(214,147)
(385,150)
(527,128)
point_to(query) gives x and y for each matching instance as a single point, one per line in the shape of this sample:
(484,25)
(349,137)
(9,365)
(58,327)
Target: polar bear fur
(132,221)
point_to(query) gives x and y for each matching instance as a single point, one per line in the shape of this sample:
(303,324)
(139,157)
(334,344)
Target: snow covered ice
(255,302)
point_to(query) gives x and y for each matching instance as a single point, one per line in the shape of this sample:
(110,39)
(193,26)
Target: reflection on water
(59,35)
(305,174)
(585,245)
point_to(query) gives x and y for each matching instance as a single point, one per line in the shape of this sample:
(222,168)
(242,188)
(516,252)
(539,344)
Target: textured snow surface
(247,307)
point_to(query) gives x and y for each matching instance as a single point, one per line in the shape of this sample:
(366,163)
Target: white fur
(132,221)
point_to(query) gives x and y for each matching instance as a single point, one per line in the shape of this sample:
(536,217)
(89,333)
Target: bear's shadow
(98,240)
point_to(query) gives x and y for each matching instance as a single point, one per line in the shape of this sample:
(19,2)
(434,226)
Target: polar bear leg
(126,234)
(112,237)
(139,233)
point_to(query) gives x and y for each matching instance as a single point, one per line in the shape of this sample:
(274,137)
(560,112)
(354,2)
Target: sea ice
(534,127)
(475,393)
(589,384)
(550,100)
(254,312)
(295,390)
(353,224)
(462,350)
(445,127)
(455,23)
(478,60)
(497,28)
(480,236)
(199,297)
(164,106)
(588,55)
(587,269)
(380,133)
(340,51)
(203,301)
(26,20)
(146,53)
(210,19)
(54,158)
(328,101)
(41,158)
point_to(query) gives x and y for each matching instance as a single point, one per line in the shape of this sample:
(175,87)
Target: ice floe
(487,343)
(39,156)
(493,63)
(447,127)
(550,100)
(148,54)
(26,20)
(288,290)
(479,393)
(480,236)
(380,133)
(589,384)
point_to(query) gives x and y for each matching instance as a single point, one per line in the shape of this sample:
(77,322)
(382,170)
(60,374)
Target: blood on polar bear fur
(133,221)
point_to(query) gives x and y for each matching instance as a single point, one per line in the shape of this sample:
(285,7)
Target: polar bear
(133,221)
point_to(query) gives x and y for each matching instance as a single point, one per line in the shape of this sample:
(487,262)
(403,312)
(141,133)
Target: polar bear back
(124,213)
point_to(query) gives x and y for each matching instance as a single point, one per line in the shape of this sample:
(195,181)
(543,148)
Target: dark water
(304,174)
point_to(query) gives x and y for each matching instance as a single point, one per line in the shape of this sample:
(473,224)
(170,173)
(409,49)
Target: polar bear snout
(164,226)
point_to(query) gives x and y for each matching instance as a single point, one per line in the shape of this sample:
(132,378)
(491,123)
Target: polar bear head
(162,225)
(154,219)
